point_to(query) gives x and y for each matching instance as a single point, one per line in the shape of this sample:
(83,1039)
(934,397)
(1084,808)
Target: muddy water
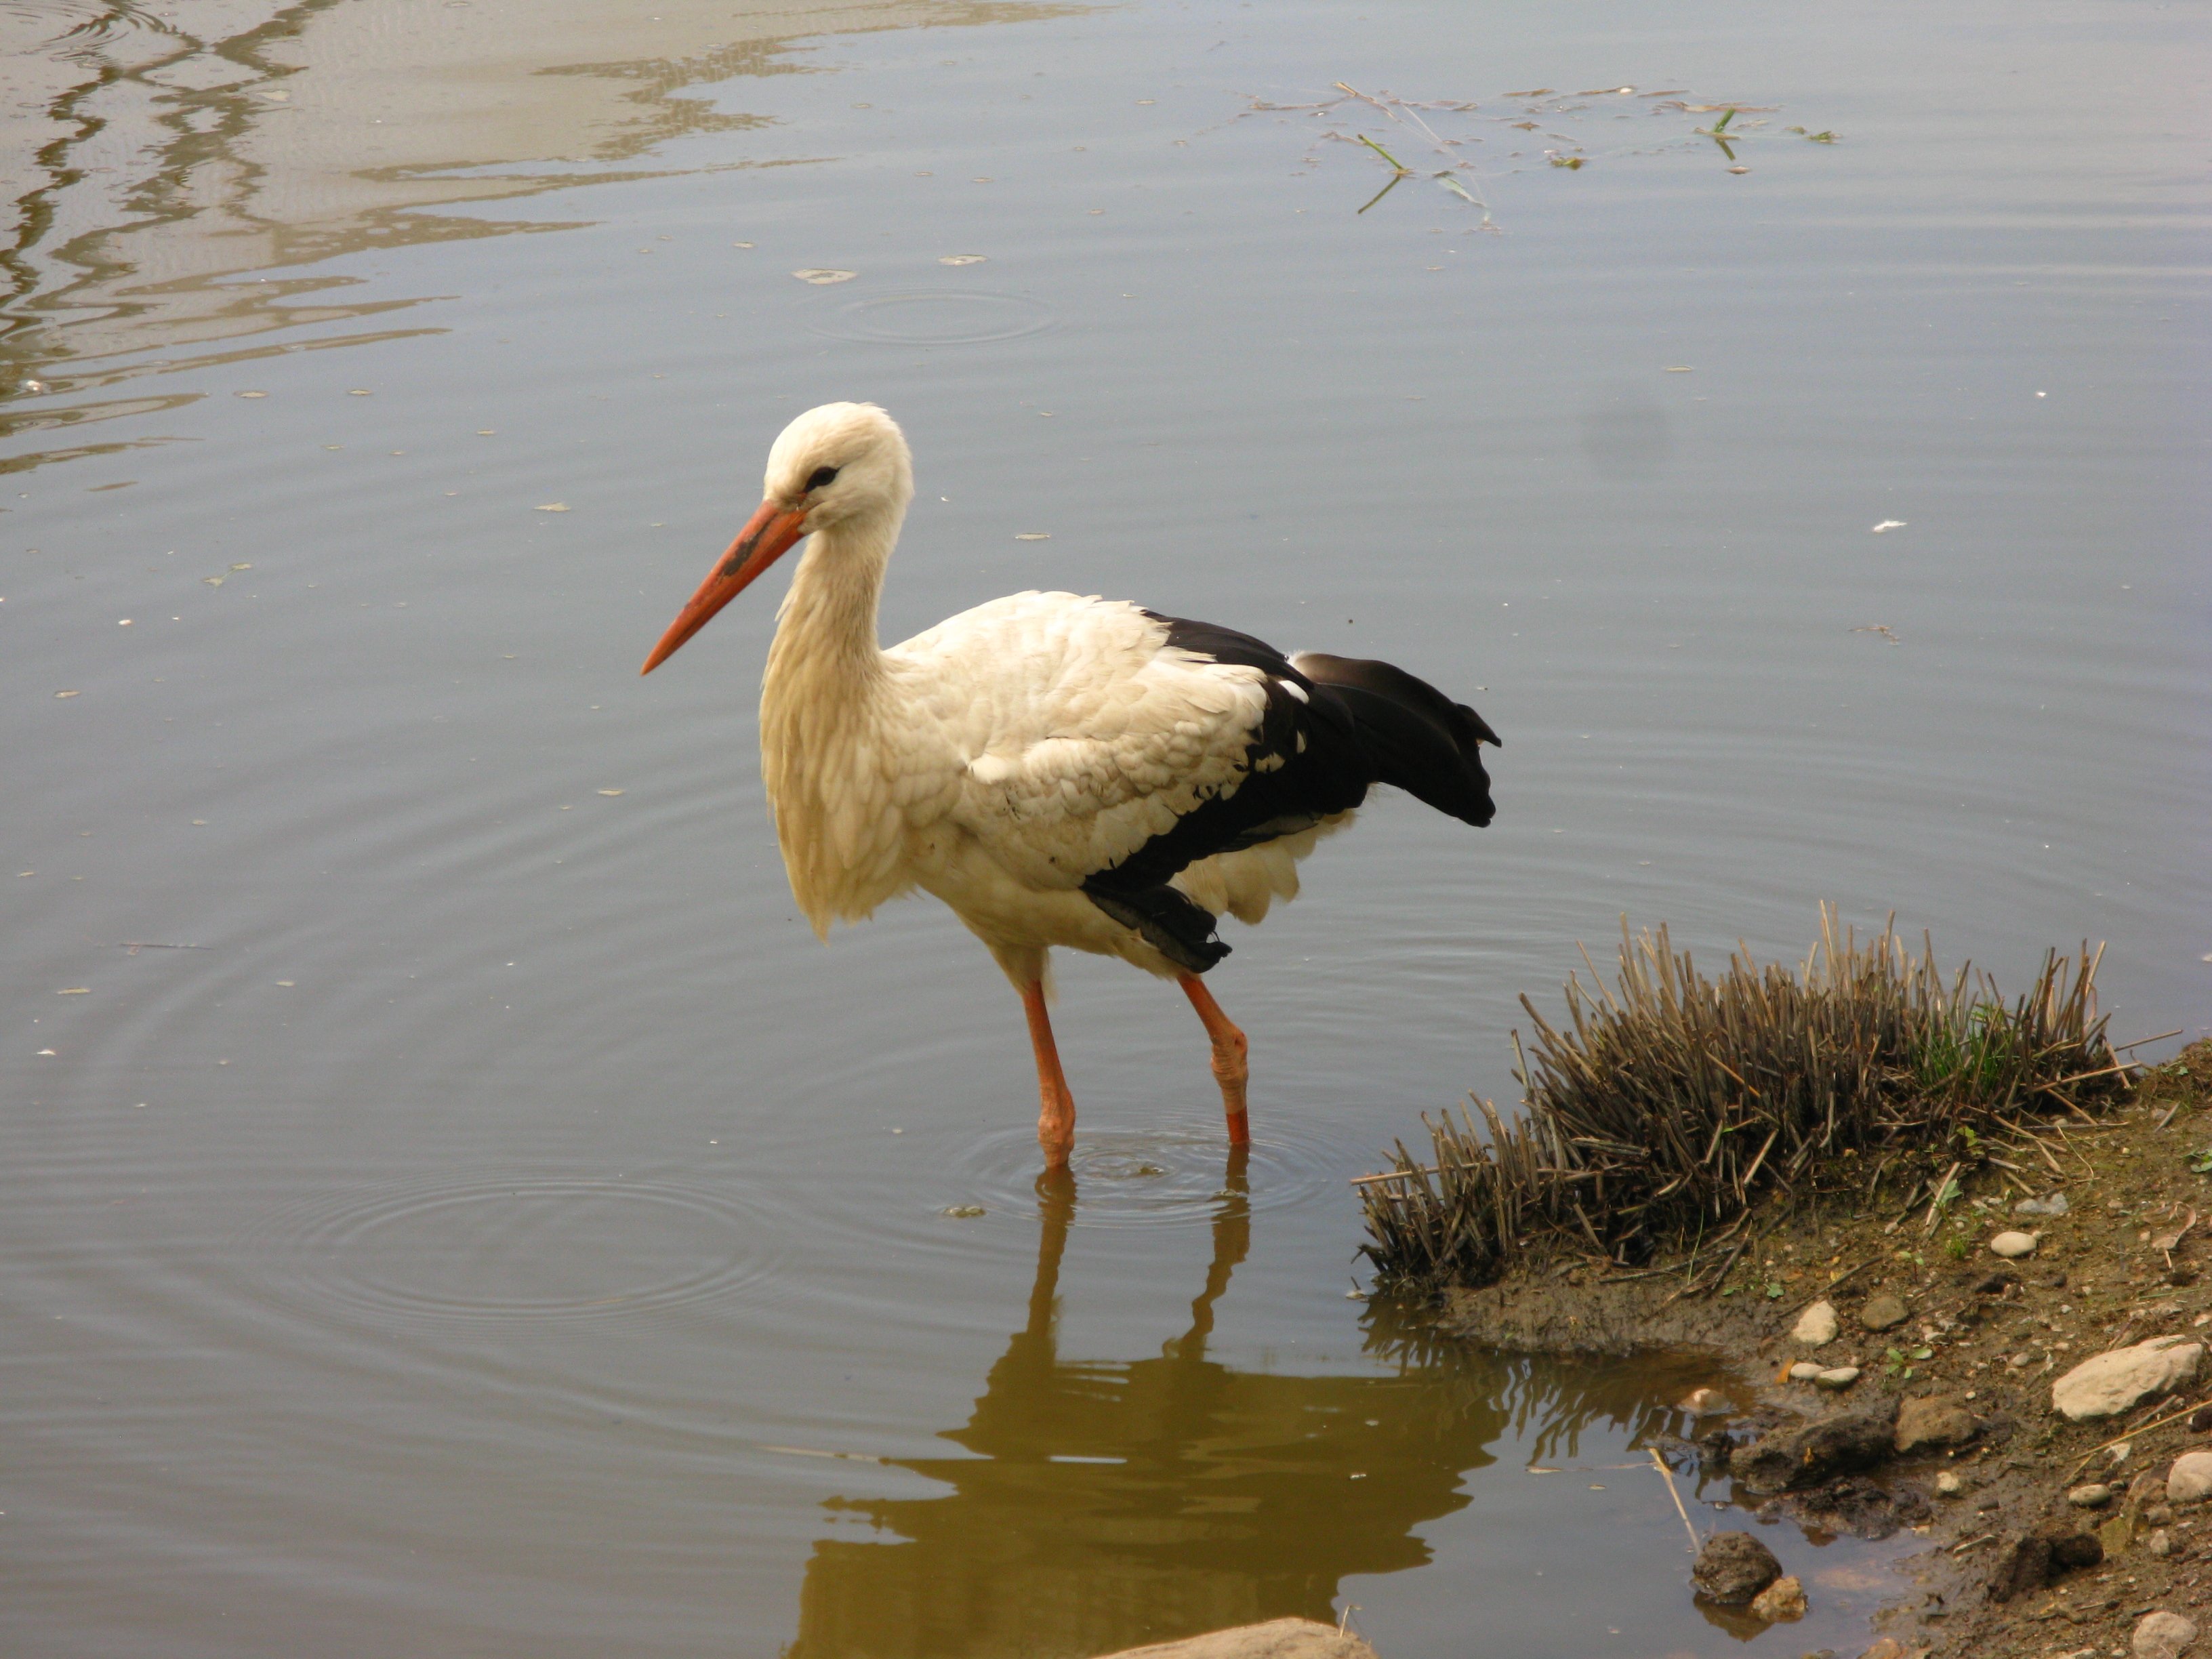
(449,1202)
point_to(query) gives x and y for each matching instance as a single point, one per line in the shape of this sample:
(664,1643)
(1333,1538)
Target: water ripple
(1158,1175)
(520,1246)
(938,318)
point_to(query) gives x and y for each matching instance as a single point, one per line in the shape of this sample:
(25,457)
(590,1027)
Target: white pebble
(2011,1244)
(2189,1479)
(2162,1635)
(1816,1327)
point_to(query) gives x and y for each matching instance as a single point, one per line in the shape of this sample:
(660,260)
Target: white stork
(1059,769)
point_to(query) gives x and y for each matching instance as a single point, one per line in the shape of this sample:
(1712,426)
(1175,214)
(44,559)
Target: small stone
(1836,1377)
(2094,1496)
(2160,1543)
(1706,1402)
(2189,1479)
(1781,1601)
(2158,1514)
(1733,1567)
(2162,1635)
(1932,1421)
(1881,1312)
(1792,1458)
(2120,1378)
(1888,1648)
(2037,1558)
(1278,1638)
(2012,1244)
(2200,1420)
(2116,1533)
(2071,1547)
(2054,1205)
(1948,1484)
(1816,1327)
(1805,1370)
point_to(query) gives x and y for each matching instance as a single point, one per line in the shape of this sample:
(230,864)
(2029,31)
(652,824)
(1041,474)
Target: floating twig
(1393,1174)
(1668,1476)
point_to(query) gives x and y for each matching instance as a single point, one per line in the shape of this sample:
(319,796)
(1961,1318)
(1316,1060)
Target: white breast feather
(1084,737)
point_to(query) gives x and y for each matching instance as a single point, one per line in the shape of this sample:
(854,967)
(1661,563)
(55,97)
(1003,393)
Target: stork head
(838,462)
(838,465)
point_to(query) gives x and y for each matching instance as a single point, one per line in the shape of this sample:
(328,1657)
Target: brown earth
(1985,1335)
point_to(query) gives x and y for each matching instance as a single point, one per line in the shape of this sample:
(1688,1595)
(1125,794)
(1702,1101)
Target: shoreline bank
(1953,1351)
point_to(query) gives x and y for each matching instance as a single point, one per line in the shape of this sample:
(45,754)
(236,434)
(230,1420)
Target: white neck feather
(826,715)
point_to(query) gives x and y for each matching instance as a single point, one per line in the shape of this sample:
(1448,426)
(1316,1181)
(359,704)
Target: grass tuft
(1661,1114)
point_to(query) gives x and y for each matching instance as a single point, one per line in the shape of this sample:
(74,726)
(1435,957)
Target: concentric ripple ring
(937,318)
(1163,1175)
(518,1247)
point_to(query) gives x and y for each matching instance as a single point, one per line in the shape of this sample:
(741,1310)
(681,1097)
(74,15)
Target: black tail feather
(1419,739)
(1173,923)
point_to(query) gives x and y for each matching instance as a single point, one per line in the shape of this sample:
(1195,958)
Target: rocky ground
(1907,1373)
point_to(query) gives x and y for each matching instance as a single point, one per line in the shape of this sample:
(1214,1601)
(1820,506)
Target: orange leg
(1057,1115)
(1229,1050)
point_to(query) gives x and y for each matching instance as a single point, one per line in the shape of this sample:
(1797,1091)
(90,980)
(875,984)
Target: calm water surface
(448,1202)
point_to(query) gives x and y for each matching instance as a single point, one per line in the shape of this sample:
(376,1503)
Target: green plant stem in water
(1383,153)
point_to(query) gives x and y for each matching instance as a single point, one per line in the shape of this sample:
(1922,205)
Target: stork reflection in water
(1098,1505)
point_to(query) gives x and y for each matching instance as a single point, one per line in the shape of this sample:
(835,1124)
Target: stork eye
(822,477)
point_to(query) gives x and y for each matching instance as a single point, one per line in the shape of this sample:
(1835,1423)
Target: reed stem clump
(1662,1112)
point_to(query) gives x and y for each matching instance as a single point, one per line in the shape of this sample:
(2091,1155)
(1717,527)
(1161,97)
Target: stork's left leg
(1056,1113)
(1229,1050)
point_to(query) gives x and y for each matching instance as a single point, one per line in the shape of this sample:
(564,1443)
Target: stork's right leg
(1229,1050)
(1056,1113)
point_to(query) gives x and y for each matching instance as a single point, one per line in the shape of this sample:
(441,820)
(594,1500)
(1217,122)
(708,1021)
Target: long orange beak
(767,536)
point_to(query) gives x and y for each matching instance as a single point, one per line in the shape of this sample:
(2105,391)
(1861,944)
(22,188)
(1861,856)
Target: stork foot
(1056,1132)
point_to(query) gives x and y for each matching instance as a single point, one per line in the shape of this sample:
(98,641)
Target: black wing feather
(1332,726)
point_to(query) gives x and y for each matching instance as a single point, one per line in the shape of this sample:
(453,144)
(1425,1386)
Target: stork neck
(828,617)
